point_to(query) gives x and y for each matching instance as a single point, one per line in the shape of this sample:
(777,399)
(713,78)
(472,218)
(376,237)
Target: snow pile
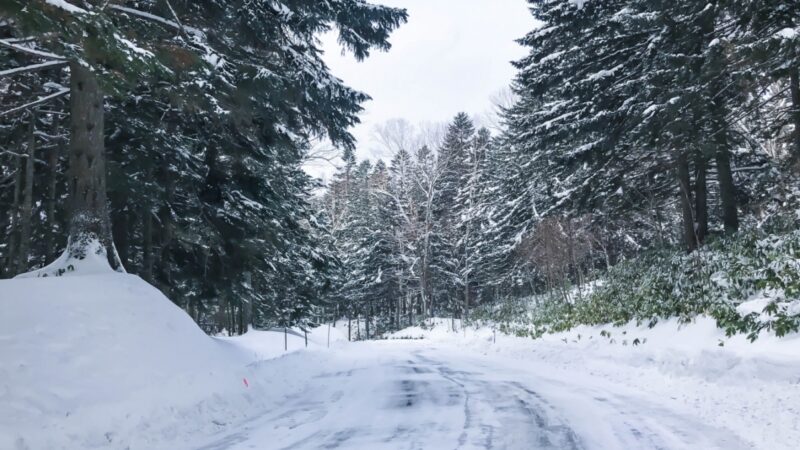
(258,345)
(752,388)
(95,262)
(106,361)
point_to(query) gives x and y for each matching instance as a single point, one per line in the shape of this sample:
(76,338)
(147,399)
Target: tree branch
(10,43)
(40,101)
(155,18)
(32,68)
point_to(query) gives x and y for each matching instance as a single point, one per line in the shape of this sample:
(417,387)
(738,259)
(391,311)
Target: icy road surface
(409,395)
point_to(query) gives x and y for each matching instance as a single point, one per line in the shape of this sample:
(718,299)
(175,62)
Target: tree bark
(147,247)
(166,223)
(794,82)
(369,317)
(722,157)
(89,219)
(701,197)
(466,297)
(14,218)
(120,232)
(727,190)
(27,201)
(685,200)
(52,163)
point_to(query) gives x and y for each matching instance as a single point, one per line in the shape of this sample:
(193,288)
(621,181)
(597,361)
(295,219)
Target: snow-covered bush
(749,283)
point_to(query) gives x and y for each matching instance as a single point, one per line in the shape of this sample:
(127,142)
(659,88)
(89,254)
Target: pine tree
(448,255)
(766,37)
(210,107)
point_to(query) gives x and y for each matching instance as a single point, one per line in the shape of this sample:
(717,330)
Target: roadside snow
(106,361)
(751,388)
(257,345)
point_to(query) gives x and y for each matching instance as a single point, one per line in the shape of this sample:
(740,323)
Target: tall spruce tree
(208,200)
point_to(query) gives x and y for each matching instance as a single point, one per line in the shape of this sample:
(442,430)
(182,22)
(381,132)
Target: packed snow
(106,361)
(94,262)
(750,389)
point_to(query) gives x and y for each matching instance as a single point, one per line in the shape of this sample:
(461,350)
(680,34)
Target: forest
(642,166)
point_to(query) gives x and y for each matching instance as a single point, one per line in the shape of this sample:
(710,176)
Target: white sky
(451,56)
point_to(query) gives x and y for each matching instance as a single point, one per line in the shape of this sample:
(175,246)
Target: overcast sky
(451,56)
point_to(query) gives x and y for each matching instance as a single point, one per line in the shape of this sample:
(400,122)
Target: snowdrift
(106,361)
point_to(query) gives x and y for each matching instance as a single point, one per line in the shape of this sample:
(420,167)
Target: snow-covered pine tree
(472,222)
(427,174)
(448,252)
(234,93)
(766,38)
(406,231)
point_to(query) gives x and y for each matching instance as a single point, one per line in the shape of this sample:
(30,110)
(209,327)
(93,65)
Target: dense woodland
(209,110)
(639,131)
(640,134)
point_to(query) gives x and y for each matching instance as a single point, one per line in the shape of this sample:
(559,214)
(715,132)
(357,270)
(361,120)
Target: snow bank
(752,388)
(94,263)
(258,345)
(106,361)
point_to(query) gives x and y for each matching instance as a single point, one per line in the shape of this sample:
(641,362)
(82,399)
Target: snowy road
(408,395)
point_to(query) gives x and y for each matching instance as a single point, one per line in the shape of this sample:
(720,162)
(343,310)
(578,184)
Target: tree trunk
(722,156)
(89,219)
(120,213)
(52,162)
(369,317)
(685,200)
(14,218)
(730,215)
(166,230)
(466,298)
(120,232)
(794,82)
(27,200)
(701,198)
(147,247)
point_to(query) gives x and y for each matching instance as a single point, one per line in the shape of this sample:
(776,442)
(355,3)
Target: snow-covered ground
(751,389)
(411,395)
(105,361)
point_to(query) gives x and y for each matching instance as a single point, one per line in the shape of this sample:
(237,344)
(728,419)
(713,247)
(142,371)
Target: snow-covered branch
(32,68)
(152,17)
(12,43)
(40,101)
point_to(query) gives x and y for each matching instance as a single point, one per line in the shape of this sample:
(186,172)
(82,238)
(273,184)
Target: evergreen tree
(210,109)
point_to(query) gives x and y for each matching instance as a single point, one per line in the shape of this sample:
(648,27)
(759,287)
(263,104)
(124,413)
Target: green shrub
(668,284)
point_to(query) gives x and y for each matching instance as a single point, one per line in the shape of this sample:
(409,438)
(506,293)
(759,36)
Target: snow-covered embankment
(106,361)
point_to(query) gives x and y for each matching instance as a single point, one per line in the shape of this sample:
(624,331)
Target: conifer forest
(635,130)
(640,169)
